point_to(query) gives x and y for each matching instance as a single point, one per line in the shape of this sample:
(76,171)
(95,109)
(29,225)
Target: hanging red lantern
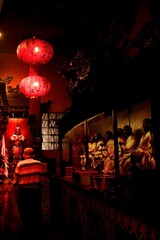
(35,51)
(34,86)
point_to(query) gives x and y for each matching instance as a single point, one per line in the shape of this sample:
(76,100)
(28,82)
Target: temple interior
(79,84)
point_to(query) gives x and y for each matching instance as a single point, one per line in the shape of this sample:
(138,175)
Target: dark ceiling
(69,25)
(110,32)
(120,38)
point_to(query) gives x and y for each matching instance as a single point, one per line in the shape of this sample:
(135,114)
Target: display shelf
(50,130)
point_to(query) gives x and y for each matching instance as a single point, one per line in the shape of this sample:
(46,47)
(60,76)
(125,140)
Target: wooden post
(115,133)
(86,143)
(155,116)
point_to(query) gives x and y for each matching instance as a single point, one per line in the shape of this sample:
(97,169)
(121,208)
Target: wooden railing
(89,216)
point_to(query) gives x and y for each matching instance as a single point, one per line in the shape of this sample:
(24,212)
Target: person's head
(120,132)
(127,131)
(108,135)
(28,153)
(147,124)
(97,136)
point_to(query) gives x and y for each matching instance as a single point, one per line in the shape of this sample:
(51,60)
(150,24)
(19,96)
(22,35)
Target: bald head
(28,152)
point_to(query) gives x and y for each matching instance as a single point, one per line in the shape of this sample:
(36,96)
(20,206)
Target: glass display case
(75,148)
(75,141)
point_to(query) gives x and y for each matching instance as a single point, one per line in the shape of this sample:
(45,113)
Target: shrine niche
(4,104)
(18,104)
(13,104)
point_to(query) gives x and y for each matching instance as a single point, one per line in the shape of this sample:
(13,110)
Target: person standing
(28,177)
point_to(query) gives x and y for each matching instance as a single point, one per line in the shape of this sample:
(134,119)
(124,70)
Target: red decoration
(34,86)
(35,51)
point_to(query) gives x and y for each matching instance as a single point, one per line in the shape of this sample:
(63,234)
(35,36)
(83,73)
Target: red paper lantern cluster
(34,52)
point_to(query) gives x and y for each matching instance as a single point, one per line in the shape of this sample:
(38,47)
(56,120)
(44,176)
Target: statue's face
(146,125)
(17,130)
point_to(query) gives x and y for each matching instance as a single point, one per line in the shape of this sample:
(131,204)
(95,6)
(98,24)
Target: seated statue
(97,155)
(143,155)
(127,149)
(110,150)
(91,149)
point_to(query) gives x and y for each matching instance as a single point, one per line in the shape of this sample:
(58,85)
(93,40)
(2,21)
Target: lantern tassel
(34,106)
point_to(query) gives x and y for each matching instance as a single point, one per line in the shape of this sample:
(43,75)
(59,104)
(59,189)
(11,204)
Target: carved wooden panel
(18,104)
(89,218)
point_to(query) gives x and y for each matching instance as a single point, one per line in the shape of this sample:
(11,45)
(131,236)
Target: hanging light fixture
(34,52)
(34,86)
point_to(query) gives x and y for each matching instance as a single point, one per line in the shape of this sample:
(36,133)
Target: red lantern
(35,51)
(34,86)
